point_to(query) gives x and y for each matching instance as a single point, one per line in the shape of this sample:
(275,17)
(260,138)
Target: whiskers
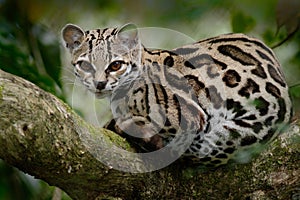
(69,82)
(69,79)
(68,70)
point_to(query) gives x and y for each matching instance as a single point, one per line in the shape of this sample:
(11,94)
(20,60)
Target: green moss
(109,136)
(1,90)
(117,140)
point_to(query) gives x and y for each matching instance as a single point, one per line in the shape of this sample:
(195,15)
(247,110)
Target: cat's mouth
(102,94)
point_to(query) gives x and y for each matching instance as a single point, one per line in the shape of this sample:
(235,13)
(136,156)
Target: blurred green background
(30,46)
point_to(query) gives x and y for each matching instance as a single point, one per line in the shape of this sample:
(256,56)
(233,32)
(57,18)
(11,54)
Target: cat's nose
(100,85)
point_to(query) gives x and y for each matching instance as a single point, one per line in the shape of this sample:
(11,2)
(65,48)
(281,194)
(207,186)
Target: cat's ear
(128,34)
(73,36)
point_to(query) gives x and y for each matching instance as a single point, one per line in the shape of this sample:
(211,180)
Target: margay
(212,100)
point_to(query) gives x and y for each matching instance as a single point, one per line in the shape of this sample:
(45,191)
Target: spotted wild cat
(212,100)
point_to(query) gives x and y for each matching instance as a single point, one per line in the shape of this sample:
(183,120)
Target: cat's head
(103,57)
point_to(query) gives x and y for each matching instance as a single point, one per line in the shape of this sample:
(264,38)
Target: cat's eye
(115,66)
(86,66)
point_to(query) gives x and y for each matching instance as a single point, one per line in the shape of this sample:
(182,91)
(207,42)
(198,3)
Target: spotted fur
(212,100)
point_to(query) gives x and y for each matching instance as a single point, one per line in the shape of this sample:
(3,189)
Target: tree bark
(43,137)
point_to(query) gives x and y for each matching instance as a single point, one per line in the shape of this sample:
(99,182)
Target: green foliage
(49,51)
(295,91)
(242,23)
(26,51)
(14,185)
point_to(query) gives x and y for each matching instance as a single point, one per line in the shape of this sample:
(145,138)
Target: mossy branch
(42,136)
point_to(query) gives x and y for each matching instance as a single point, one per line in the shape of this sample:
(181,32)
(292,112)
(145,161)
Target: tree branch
(42,136)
